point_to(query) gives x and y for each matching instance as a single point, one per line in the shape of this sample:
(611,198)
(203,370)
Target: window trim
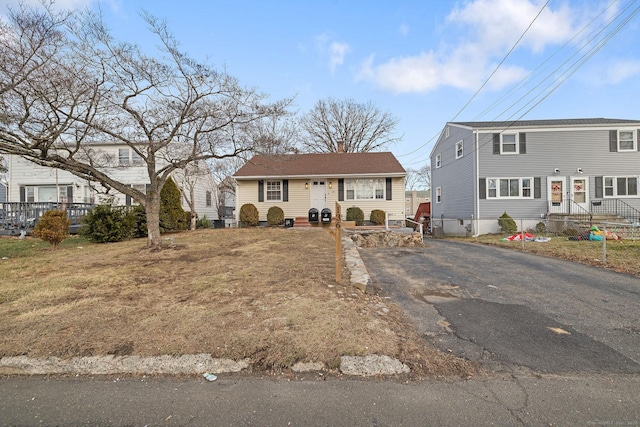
(614,187)
(438,160)
(438,194)
(521,188)
(516,143)
(634,141)
(267,190)
(350,185)
(460,150)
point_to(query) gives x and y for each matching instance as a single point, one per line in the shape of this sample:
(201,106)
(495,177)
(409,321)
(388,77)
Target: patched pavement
(511,310)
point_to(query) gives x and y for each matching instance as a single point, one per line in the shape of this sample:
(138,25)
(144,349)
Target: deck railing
(18,216)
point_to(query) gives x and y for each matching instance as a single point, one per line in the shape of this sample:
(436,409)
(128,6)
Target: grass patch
(268,294)
(622,255)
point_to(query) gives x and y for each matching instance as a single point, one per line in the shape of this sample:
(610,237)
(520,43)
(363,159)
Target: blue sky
(422,61)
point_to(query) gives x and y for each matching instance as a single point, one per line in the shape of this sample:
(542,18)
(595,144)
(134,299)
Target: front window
(509,143)
(136,159)
(438,160)
(365,189)
(621,186)
(509,188)
(208,199)
(274,192)
(626,141)
(459,149)
(123,157)
(439,195)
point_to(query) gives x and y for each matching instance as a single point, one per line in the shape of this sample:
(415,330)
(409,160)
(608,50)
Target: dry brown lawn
(622,256)
(267,294)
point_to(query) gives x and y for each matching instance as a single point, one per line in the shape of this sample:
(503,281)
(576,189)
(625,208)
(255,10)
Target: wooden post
(338,243)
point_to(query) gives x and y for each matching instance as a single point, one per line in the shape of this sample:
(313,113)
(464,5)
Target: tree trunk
(154,240)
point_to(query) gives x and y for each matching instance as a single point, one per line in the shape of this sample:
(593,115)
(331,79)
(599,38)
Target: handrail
(419,224)
(616,207)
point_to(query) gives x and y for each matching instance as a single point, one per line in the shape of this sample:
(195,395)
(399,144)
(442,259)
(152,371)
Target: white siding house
(28,182)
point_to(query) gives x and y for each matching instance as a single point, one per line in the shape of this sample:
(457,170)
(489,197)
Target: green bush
(355,214)
(249,215)
(52,227)
(541,227)
(105,223)
(172,215)
(275,216)
(139,219)
(507,224)
(377,216)
(203,222)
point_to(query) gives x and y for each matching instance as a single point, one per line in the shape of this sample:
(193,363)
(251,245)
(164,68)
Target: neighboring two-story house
(28,182)
(532,169)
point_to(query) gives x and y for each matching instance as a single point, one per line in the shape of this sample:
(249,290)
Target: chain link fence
(526,231)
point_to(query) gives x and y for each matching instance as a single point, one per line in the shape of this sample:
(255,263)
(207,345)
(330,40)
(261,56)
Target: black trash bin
(288,222)
(325,216)
(313,215)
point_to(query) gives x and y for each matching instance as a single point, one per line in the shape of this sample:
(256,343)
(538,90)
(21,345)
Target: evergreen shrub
(249,215)
(52,227)
(275,216)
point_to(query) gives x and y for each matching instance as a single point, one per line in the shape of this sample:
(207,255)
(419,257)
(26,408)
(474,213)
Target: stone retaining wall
(384,239)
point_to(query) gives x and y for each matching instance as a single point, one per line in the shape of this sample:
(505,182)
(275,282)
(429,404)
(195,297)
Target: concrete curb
(194,364)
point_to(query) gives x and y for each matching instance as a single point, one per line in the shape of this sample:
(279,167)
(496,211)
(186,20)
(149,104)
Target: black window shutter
(496,143)
(599,187)
(261,190)
(70,194)
(389,196)
(523,143)
(341,190)
(285,190)
(23,194)
(613,141)
(638,140)
(482,188)
(537,188)
(127,200)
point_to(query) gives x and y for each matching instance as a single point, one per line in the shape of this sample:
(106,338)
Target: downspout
(476,197)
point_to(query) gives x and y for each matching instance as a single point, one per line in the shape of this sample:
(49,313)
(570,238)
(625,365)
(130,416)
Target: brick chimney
(340,146)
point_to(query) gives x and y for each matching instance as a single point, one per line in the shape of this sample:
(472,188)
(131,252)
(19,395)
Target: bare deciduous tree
(418,179)
(66,82)
(360,127)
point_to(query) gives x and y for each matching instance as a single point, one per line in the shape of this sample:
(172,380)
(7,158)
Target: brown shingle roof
(325,164)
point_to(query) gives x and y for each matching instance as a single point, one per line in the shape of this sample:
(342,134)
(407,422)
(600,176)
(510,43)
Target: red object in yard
(423,215)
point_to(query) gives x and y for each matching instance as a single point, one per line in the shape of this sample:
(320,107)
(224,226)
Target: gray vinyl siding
(3,193)
(455,176)
(547,150)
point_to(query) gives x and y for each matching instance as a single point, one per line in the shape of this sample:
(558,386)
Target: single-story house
(299,182)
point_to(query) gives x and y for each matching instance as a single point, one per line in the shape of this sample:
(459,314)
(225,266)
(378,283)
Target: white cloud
(337,53)
(620,71)
(332,51)
(484,31)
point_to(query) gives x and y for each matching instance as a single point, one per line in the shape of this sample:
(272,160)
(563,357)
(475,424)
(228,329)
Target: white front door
(555,192)
(318,195)
(580,191)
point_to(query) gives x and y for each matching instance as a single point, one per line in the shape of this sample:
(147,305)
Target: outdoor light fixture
(306,185)
(556,171)
(579,170)
(330,184)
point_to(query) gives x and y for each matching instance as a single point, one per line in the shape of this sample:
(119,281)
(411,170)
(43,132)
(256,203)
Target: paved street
(512,310)
(611,400)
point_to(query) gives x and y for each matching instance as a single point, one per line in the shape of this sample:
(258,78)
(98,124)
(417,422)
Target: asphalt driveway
(512,310)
